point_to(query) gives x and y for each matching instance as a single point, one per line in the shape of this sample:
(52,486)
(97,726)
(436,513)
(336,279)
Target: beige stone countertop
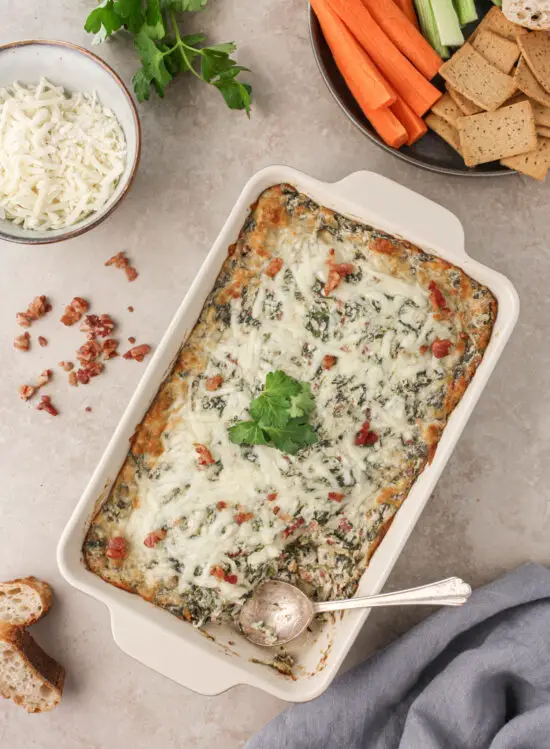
(490,511)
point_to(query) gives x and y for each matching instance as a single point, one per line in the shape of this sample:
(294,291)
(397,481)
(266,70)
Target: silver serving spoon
(278,612)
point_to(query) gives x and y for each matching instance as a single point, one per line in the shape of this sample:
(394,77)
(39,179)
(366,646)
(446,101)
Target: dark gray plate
(430,152)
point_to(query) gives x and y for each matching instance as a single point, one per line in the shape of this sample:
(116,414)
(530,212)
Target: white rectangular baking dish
(174,648)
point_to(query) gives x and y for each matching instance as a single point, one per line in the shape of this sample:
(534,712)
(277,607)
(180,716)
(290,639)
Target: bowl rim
(313,23)
(77,231)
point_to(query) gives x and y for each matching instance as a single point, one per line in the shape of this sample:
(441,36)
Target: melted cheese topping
(60,156)
(376,326)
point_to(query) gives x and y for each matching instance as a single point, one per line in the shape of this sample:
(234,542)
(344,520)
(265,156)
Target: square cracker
(544,131)
(542,113)
(472,76)
(533,163)
(467,106)
(496,21)
(500,52)
(526,82)
(535,48)
(491,136)
(447,109)
(444,130)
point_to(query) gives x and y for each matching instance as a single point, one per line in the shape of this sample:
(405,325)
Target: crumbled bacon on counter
(242,517)
(273,267)
(109,348)
(335,496)
(441,348)
(117,548)
(365,436)
(74,311)
(99,326)
(152,539)
(138,353)
(336,271)
(121,261)
(66,365)
(73,379)
(47,405)
(130,308)
(214,383)
(44,378)
(329,361)
(26,392)
(36,309)
(131,340)
(22,342)
(85,373)
(88,352)
(42,341)
(205,456)
(88,409)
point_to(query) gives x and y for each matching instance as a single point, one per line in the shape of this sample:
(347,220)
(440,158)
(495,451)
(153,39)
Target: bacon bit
(121,261)
(441,348)
(276,510)
(336,496)
(88,352)
(88,409)
(329,361)
(131,339)
(333,281)
(66,365)
(42,341)
(47,405)
(138,353)
(26,392)
(109,348)
(22,342)
(345,525)
(423,349)
(217,571)
(74,311)
(73,379)
(44,378)
(365,437)
(214,383)
(131,273)
(117,548)
(293,527)
(231,579)
(272,495)
(99,326)
(242,517)
(83,375)
(36,309)
(336,272)
(221,505)
(437,299)
(152,539)
(205,456)
(130,308)
(273,267)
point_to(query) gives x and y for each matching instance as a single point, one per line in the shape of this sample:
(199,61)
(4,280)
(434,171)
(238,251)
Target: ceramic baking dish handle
(428,223)
(166,652)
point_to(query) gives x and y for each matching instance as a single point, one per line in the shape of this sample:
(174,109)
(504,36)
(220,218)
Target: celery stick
(428,27)
(466,11)
(447,23)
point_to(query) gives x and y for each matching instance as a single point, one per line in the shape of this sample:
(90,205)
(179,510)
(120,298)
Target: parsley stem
(180,44)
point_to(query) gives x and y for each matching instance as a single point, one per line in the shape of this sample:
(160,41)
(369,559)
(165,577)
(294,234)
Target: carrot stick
(419,93)
(408,9)
(405,35)
(364,80)
(414,125)
(387,126)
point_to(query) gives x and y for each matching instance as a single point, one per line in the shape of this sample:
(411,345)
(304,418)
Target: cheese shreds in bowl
(61,155)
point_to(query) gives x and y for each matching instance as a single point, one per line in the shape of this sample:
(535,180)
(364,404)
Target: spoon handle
(450,592)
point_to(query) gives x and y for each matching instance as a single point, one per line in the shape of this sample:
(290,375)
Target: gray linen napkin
(467,678)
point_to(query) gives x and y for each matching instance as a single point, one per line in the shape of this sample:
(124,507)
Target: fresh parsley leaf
(297,433)
(247,433)
(142,85)
(279,383)
(270,411)
(183,5)
(152,59)
(104,20)
(130,11)
(303,403)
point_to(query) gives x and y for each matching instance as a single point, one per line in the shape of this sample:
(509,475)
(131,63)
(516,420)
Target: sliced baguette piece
(447,109)
(534,14)
(500,52)
(491,136)
(24,601)
(535,48)
(444,129)
(467,106)
(470,74)
(526,82)
(28,675)
(533,164)
(495,20)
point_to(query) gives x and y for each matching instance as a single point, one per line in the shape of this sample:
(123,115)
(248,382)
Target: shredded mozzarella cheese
(61,156)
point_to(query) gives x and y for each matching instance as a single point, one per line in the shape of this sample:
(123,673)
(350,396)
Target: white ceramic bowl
(76,69)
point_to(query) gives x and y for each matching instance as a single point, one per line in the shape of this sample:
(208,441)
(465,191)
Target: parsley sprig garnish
(164,51)
(279,416)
